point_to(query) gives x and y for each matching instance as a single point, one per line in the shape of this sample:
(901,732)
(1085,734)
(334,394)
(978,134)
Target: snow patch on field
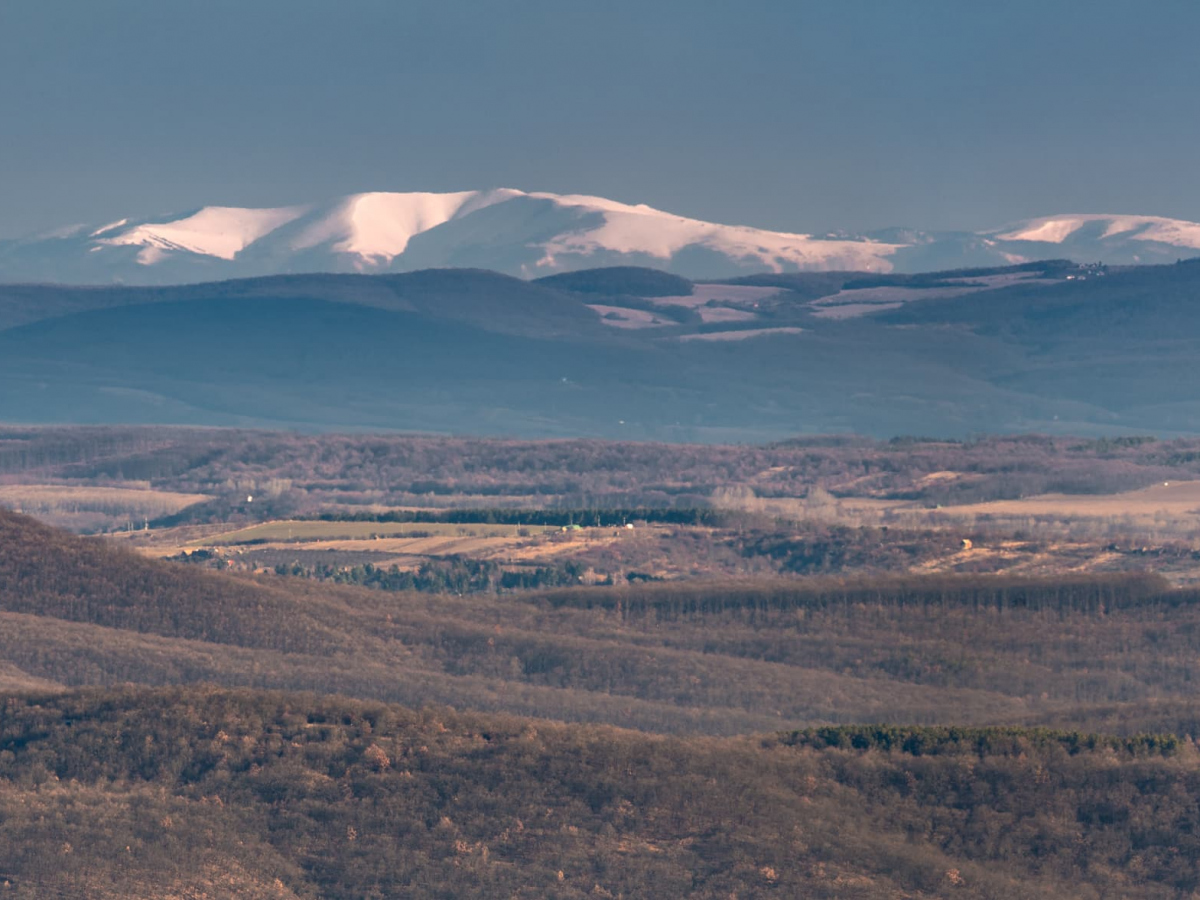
(729,302)
(863,301)
(740,335)
(854,303)
(725,314)
(736,294)
(623,317)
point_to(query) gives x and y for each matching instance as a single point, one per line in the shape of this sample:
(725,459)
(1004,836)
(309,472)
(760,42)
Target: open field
(527,548)
(1171,507)
(405,551)
(741,335)
(1030,504)
(675,552)
(88,508)
(404,545)
(1048,559)
(367,531)
(49,497)
(1172,499)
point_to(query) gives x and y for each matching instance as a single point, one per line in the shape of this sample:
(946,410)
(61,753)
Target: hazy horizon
(792,117)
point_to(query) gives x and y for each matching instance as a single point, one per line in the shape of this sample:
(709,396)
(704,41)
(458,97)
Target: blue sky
(796,115)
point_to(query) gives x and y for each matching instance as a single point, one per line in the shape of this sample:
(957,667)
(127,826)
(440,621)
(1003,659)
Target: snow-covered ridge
(1057,229)
(220,231)
(370,230)
(377,227)
(529,234)
(643,229)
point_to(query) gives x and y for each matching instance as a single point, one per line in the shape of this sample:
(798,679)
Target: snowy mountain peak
(536,233)
(1059,229)
(220,231)
(375,228)
(642,229)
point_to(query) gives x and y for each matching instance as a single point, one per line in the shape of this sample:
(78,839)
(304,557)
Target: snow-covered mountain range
(534,234)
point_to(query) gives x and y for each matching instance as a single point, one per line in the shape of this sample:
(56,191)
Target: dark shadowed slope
(318,363)
(489,300)
(620,280)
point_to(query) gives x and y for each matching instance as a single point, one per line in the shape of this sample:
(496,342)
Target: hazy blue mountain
(1047,347)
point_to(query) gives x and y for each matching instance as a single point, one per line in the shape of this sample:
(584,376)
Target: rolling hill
(161,736)
(623,353)
(705,657)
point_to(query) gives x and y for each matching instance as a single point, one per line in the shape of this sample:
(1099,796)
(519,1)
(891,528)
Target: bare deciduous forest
(421,666)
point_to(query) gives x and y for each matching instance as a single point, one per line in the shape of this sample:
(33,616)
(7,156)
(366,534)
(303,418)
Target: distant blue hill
(1052,347)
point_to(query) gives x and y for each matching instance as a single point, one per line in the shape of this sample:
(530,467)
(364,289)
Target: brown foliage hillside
(711,656)
(47,572)
(204,793)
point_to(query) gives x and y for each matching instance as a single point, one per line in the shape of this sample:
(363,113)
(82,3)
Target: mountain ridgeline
(623,353)
(528,234)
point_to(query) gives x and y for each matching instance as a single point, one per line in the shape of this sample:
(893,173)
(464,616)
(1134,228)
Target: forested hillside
(316,472)
(708,656)
(204,793)
(170,732)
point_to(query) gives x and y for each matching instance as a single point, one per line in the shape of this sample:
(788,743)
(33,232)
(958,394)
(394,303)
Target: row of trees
(598,517)
(453,575)
(1090,595)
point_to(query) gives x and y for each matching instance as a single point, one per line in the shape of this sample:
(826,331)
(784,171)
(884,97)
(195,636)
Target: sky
(795,115)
